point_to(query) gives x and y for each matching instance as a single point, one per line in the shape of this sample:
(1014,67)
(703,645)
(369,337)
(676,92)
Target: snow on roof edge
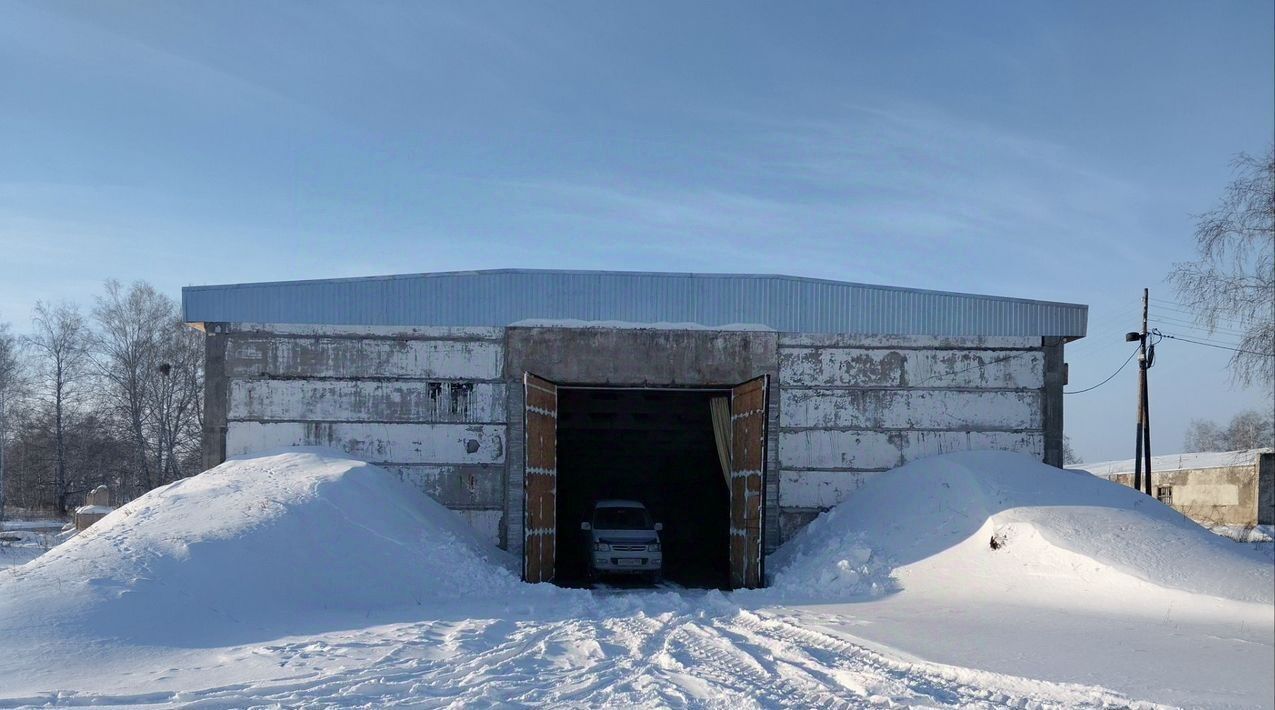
(1176,462)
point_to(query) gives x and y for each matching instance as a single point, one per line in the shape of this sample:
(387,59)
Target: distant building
(1215,487)
(737,407)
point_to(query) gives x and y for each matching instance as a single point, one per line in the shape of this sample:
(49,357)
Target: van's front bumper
(622,561)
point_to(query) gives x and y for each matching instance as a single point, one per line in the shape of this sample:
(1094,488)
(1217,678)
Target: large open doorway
(694,457)
(654,446)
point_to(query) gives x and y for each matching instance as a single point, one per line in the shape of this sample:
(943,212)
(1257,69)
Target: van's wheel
(657,578)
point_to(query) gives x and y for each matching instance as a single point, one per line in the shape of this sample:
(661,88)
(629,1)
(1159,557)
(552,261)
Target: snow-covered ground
(1259,537)
(304,578)
(23,540)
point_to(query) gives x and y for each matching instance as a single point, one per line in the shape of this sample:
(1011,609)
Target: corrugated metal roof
(501,297)
(1176,462)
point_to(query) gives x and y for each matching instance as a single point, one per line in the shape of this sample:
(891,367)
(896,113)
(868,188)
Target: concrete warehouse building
(736,407)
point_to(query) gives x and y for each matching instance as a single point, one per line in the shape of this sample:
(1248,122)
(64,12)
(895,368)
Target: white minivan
(622,539)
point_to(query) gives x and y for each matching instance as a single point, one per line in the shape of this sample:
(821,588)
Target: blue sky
(1036,149)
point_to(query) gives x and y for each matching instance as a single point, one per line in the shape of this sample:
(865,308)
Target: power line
(1117,372)
(1220,347)
(1199,330)
(1221,324)
(1195,314)
(1209,339)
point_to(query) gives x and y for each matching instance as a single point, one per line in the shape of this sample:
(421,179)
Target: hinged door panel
(748,461)
(541,479)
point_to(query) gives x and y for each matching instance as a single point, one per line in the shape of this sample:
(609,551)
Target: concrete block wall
(428,404)
(851,407)
(442,407)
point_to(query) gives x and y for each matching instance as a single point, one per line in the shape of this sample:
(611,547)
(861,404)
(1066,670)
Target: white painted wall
(1206,494)
(327,356)
(376,442)
(427,403)
(876,409)
(364,400)
(485,522)
(859,450)
(861,367)
(851,407)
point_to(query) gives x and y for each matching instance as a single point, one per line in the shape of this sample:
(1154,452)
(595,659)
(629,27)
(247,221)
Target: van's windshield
(621,519)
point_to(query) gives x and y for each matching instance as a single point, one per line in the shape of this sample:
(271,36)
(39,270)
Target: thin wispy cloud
(934,191)
(1021,151)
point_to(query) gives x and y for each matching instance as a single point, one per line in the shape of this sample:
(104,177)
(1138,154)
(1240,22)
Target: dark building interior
(654,446)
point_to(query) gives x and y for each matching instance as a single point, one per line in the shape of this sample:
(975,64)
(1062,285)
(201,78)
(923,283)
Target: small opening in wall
(460,398)
(1164,494)
(435,390)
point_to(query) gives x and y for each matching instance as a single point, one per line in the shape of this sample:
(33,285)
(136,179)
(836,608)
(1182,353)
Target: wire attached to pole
(1219,347)
(1117,372)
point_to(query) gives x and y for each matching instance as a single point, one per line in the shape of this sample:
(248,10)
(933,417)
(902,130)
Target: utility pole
(1142,450)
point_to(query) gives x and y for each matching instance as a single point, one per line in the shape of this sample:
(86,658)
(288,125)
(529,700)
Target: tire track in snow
(945,685)
(662,653)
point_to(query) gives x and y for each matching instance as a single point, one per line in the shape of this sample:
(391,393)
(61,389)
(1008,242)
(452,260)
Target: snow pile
(1259,537)
(1245,533)
(273,541)
(986,522)
(830,559)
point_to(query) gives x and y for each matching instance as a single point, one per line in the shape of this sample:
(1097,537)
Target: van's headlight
(654,547)
(601,546)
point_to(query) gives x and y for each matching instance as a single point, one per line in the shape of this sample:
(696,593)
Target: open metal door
(540,523)
(748,462)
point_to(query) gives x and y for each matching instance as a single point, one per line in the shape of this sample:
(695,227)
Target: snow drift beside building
(276,541)
(986,522)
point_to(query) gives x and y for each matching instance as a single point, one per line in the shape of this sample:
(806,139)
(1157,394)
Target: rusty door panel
(748,462)
(541,479)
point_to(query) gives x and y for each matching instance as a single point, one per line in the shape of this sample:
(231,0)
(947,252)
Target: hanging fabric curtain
(720,407)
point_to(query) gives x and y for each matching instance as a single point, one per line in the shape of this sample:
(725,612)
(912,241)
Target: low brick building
(1212,488)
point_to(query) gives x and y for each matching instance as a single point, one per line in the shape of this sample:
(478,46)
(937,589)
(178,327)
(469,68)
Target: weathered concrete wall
(216,394)
(428,404)
(442,407)
(853,406)
(381,400)
(1266,489)
(634,357)
(629,357)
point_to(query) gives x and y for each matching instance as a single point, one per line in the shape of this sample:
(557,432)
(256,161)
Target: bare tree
(176,400)
(10,380)
(1204,435)
(1069,454)
(136,427)
(60,343)
(1247,430)
(1234,278)
(131,325)
(1250,430)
